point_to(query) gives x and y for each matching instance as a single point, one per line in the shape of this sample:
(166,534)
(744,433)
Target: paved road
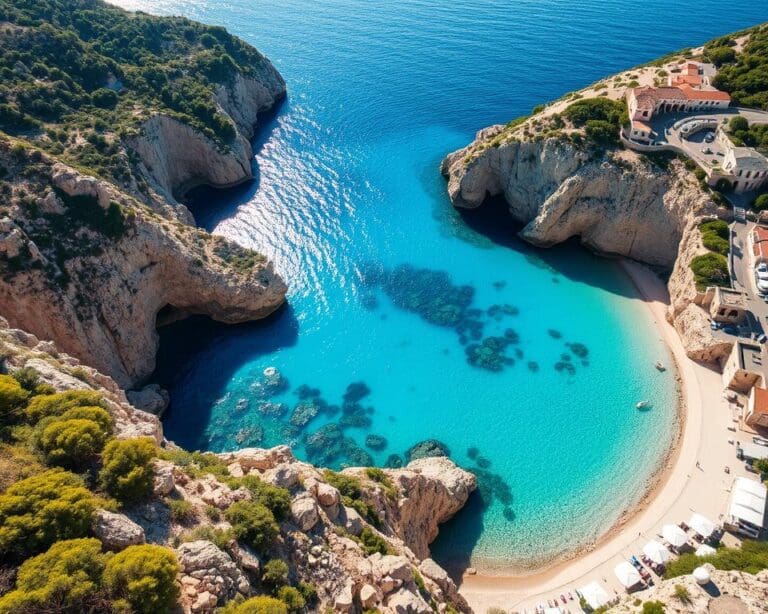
(743,277)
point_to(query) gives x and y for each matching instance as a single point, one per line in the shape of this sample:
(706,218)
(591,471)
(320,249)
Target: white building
(745,167)
(746,509)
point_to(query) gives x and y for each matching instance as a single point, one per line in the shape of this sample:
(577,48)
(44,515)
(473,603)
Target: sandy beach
(691,478)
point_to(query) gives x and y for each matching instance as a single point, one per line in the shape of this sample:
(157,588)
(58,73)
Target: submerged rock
(426,449)
(376,442)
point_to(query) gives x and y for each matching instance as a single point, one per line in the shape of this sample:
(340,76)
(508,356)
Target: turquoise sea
(407,320)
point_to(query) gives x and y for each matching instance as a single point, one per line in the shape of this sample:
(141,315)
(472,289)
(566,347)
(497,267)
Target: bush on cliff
(601,109)
(710,270)
(714,236)
(43,509)
(72,443)
(126,472)
(275,498)
(761,202)
(745,75)
(143,578)
(292,598)
(253,523)
(255,605)
(66,578)
(12,399)
(56,404)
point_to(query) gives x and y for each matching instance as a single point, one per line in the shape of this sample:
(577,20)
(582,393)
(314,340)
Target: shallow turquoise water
(348,193)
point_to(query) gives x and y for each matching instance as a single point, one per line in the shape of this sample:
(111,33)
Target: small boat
(643,404)
(660,367)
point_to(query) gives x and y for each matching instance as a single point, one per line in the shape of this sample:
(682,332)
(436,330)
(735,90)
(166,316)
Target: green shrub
(43,509)
(253,523)
(714,236)
(292,598)
(220,537)
(715,244)
(126,472)
(761,202)
(307,591)
(144,578)
(597,109)
(275,573)
(682,593)
(752,557)
(601,131)
(104,98)
(28,378)
(13,397)
(182,511)
(653,607)
(347,485)
(66,578)
(710,270)
(256,605)
(738,123)
(72,443)
(720,55)
(275,498)
(372,542)
(56,404)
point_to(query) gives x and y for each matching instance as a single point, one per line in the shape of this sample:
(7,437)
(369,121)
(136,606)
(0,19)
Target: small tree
(275,573)
(43,509)
(127,472)
(66,578)
(682,593)
(761,202)
(254,523)
(143,578)
(653,607)
(292,598)
(738,123)
(56,404)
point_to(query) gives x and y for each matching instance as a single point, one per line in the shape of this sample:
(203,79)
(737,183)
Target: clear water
(348,192)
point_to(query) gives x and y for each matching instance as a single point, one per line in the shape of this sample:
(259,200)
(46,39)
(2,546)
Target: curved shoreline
(667,499)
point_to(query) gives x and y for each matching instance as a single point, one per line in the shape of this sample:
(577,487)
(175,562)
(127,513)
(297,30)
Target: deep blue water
(395,294)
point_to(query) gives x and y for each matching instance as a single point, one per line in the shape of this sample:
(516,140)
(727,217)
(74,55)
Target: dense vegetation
(743,75)
(752,557)
(742,133)
(715,235)
(710,270)
(78,76)
(601,118)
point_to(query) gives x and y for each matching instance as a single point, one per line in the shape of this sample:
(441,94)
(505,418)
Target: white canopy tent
(674,535)
(702,525)
(747,505)
(657,552)
(705,550)
(595,595)
(627,574)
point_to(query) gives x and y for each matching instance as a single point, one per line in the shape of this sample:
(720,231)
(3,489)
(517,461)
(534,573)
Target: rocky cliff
(359,538)
(615,201)
(89,267)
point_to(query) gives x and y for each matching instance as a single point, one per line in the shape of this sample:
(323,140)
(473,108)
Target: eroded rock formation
(616,202)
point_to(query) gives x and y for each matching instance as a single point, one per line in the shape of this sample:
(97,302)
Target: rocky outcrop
(116,531)
(209,576)
(19,349)
(107,313)
(729,592)
(615,202)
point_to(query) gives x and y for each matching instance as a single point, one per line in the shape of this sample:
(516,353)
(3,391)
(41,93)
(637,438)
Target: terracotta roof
(759,234)
(692,68)
(689,79)
(692,94)
(761,401)
(641,126)
(760,250)
(648,96)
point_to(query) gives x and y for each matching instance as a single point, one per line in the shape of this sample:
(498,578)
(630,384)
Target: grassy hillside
(77,76)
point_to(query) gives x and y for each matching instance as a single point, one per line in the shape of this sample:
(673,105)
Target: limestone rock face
(151,267)
(615,202)
(116,531)
(208,576)
(65,372)
(152,399)
(304,512)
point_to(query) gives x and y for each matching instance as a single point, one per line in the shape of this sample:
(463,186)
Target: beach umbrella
(657,552)
(595,595)
(705,550)
(702,525)
(674,535)
(627,574)
(701,575)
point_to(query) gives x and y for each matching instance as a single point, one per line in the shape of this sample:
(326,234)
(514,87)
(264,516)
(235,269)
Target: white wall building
(747,168)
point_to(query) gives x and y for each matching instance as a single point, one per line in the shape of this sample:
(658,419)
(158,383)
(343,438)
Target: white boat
(660,367)
(643,404)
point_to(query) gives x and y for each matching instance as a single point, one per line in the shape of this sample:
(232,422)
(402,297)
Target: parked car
(709,137)
(761,267)
(762,284)
(706,150)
